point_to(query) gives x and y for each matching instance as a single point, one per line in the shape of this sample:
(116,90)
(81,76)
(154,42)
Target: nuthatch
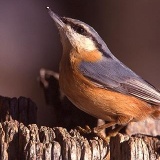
(97,82)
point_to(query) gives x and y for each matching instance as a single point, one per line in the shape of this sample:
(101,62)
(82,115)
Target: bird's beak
(56,18)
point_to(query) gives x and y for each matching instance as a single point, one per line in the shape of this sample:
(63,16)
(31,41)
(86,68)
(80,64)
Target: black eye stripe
(76,27)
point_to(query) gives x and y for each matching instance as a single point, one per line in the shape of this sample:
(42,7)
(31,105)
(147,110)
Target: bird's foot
(86,130)
(96,132)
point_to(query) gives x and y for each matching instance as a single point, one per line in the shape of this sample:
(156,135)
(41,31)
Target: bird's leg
(122,121)
(97,131)
(104,126)
(115,131)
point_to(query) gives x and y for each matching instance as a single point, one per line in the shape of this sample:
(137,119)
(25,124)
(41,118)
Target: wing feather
(111,73)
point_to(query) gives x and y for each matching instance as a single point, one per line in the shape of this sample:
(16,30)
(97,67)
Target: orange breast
(99,102)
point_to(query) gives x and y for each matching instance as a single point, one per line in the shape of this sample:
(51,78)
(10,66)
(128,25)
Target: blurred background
(29,41)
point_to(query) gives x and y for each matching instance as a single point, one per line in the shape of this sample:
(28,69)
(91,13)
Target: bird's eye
(79,29)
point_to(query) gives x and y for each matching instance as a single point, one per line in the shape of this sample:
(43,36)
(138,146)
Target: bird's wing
(111,73)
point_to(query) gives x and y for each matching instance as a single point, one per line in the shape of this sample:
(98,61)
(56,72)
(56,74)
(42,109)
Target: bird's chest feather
(75,86)
(72,83)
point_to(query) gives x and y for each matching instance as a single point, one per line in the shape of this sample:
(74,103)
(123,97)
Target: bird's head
(78,34)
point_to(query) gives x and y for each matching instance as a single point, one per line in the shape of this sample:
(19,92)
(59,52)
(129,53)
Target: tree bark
(30,142)
(21,142)
(138,147)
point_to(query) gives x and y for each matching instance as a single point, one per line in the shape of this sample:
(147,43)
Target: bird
(96,82)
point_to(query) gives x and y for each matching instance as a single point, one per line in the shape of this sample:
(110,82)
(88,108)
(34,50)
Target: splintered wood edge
(31,142)
(140,147)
